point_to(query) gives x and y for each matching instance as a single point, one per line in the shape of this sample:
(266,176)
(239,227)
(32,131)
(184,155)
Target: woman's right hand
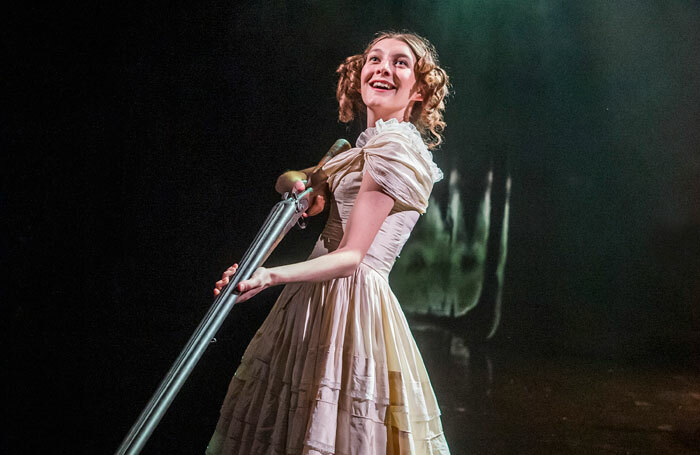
(224,278)
(261,279)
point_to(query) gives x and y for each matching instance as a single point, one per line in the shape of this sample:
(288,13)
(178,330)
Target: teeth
(381,85)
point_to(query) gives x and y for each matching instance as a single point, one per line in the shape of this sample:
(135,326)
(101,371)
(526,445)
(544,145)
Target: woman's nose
(383,67)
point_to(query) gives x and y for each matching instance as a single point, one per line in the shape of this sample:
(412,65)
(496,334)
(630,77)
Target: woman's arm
(371,208)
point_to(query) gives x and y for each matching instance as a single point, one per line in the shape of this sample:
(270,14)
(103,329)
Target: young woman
(334,368)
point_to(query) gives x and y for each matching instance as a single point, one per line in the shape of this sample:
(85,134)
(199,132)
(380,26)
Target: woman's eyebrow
(402,55)
(397,55)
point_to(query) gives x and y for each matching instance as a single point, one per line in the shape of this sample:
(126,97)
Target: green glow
(441,268)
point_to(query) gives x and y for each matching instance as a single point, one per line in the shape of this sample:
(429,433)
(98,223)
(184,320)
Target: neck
(401,116)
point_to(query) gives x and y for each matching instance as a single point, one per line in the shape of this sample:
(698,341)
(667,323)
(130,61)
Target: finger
(243,297)
(299,186)
(222,282)
(247,295)
(244,286)
(228,272)
(251,283)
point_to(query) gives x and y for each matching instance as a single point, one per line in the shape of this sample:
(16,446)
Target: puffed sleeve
(395,163)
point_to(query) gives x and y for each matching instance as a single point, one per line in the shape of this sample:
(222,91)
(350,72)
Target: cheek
(409,78)
(364,74)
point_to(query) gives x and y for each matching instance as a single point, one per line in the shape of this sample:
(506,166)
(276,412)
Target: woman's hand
(224,278)
(297,180)
(261,279)
(318,202)
(286,181)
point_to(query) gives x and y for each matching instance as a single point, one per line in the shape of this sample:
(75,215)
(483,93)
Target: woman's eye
(402,62)
(374,59)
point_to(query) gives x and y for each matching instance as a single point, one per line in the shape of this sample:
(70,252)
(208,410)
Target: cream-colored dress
(334,368)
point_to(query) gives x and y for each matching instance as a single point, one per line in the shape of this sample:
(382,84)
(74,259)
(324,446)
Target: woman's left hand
(261,279)
(318,200)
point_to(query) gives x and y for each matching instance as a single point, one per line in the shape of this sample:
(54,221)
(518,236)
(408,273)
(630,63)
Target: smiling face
(388,81)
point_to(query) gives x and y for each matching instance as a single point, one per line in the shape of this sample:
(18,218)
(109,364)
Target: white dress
(334,368)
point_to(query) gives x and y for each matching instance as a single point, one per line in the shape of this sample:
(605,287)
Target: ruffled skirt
(334,369)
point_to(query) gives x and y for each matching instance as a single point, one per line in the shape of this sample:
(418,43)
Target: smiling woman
(426,108)
(388,82)
(334,367)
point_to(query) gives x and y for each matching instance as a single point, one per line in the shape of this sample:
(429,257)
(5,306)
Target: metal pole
(281,218)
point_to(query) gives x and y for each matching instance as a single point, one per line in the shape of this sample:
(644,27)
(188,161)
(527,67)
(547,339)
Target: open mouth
(382,85)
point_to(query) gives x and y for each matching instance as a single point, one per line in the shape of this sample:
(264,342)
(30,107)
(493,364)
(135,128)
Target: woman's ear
(416,96)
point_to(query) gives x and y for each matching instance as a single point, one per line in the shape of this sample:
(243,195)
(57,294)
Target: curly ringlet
(433,83)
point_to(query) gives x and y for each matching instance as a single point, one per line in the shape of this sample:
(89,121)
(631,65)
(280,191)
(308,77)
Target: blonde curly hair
(433,83)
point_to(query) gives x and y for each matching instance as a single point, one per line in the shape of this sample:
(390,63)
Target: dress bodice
(398,160)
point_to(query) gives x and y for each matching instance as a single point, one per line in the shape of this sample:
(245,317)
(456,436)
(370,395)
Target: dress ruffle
(410,131)
(332,370)
(395,156)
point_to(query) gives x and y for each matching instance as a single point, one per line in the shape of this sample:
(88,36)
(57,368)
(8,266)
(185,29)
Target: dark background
(141,143)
